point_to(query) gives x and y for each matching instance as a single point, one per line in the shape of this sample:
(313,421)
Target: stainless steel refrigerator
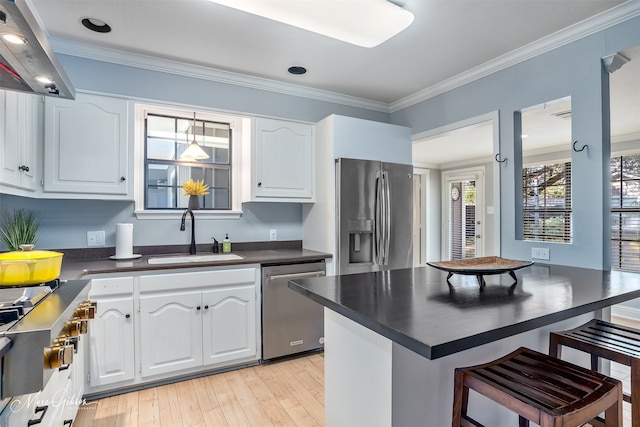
(374,216)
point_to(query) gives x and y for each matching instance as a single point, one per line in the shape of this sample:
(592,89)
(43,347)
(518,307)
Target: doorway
(462,201)
(460,151)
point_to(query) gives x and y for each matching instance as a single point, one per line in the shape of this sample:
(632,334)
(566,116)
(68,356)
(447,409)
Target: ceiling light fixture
(96,25)
(297,70)
(194,151)
(45,80)
(14,39)
(365,23)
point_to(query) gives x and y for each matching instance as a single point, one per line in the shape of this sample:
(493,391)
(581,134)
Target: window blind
(547,202)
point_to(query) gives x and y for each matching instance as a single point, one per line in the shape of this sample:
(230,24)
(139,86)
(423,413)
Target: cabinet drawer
(111,286)
(197,279)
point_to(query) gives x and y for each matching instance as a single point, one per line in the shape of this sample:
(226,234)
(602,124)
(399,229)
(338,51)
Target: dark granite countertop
(73,268)
(417,309)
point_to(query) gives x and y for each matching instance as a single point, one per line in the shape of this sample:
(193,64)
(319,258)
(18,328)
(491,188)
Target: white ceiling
(446,40)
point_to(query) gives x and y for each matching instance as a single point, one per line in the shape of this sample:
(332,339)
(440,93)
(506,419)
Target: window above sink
(163,198)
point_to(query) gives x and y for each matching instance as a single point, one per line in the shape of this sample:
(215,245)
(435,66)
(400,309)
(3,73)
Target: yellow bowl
(20,268)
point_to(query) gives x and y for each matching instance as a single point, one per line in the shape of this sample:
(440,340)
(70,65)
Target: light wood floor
(284,393)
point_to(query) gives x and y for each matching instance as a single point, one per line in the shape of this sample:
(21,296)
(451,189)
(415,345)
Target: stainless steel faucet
(192,249)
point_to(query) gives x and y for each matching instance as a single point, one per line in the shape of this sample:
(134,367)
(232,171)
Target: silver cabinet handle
(296,275)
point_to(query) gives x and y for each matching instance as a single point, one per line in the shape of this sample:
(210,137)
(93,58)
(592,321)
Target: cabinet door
(28,154)
(111,341)
(9,172)
(229,324)
(18,140)
(170,331)
(284,165)
(86,148)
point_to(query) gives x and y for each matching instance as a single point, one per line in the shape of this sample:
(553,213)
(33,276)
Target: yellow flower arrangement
(195,188)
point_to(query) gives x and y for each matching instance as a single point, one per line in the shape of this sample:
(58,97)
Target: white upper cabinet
(282,165)
(18,139)
(86,147)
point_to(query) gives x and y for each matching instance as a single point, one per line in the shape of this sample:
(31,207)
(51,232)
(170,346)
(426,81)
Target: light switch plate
(273,234)
(95,238)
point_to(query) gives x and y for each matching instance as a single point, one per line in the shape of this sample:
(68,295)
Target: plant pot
(194,202)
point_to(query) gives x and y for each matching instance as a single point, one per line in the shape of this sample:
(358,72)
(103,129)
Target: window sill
(177,214)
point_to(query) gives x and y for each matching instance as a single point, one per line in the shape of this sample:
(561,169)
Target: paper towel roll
(124,240)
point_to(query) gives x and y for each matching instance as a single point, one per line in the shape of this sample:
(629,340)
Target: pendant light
(194,151)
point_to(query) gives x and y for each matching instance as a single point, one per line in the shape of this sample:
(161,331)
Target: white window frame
(241,135)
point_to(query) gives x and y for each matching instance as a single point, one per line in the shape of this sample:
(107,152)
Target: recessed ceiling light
(96,25)
(297,70)
(14,38)
(44,79)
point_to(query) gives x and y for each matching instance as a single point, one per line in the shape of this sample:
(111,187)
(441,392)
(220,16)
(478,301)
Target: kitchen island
(394,338)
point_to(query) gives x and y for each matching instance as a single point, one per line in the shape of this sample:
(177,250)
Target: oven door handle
(43,410)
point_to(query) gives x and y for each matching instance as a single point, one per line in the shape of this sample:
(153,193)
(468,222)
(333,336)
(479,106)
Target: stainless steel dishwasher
(291,323)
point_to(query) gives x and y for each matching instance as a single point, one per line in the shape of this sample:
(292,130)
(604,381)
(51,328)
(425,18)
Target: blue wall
(66,222)
(574,69)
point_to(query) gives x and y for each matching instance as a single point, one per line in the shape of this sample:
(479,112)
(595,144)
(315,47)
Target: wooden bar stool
(539,388)
(610,341)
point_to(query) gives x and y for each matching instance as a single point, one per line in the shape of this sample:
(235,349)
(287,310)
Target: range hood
(31,65)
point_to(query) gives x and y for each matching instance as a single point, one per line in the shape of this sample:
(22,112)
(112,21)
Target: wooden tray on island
(480,267)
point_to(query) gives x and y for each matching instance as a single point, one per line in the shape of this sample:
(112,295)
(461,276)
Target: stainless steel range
(40,329)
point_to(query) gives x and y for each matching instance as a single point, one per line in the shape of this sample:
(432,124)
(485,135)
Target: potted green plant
(19,227)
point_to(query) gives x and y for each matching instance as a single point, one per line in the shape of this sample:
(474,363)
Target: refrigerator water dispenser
(360,240)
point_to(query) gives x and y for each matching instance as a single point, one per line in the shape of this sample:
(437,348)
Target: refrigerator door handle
(379,200)
(387,216)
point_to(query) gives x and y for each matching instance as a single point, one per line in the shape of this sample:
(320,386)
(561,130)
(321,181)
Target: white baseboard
(624,311)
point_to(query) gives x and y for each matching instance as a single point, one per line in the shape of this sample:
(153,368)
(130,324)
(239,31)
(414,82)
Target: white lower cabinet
(170,332)
(165,325)
(111,332)
(229,319)
(210,321)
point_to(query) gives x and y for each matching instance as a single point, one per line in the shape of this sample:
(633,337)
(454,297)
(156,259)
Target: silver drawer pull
(297,275)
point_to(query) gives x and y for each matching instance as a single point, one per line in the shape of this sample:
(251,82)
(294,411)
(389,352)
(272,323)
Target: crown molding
(147,62)
(602,21)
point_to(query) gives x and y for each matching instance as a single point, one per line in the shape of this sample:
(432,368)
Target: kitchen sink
(187,259)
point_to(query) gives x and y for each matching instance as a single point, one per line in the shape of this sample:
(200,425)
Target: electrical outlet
(540,253)
(95,238)
(273,234)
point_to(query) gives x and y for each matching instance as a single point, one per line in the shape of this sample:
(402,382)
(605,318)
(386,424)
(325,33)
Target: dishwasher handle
(296,275)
